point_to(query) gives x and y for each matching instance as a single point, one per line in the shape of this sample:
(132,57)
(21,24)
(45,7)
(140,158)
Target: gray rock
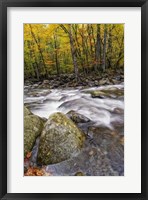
(79,174)
(112,144)
(98,94)
(60,140)
(46,82)
(27,111)
(107,93)
(76,117)
(33,126)
(102,82)
(96,83)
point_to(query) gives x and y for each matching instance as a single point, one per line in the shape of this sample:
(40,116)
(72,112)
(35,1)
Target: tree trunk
(78,47)
(37,71)
(73,52)
(56,54)
(104,48)
(119,58)
(98,47)
(109,53)
(39,48)
(90,41)
(85,55)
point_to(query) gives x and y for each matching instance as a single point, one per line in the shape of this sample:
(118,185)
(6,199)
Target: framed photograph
(73,107)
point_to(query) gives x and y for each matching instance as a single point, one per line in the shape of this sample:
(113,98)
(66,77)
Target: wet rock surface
(102,94)
(76,117)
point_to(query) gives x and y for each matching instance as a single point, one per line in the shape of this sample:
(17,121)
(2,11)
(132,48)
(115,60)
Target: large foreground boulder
(60,140)
(33,126)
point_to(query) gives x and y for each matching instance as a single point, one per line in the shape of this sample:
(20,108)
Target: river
(107,112)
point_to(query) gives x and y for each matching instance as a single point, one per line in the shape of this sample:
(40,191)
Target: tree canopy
(72,48)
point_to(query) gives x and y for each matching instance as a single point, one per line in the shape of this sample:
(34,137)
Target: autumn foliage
(67,48)
(34,171)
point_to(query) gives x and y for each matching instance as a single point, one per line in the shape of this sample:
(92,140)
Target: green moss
(27,111)
(60,139)
(79,174)
(107,93)
(33,126)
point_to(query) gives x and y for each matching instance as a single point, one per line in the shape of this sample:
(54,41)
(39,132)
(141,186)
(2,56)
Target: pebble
(91,153)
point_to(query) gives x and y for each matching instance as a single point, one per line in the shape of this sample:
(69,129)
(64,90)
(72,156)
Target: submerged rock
(60,140)
(33,126)
(76,117)
(102,136)
(112,144)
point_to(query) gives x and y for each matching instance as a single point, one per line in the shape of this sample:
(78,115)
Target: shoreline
(69,81)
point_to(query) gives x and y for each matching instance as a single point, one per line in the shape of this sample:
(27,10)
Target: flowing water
(105,112)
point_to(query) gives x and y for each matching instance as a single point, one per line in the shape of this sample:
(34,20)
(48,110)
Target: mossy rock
(60,140)
(33,126)
(27,111)
(107,93)
(79,174)
(99,94)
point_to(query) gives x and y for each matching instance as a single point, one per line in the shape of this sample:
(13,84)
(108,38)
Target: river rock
(98,134)
(105,137)
(118,111)
(115,81)
(27,111)
(60,140)
(35,85)
(102,82)
(46,82)
(96,83)
(33,126)
(79,174)
(107,93)
(112,144)
(98,94)
(76,117)
(119,127)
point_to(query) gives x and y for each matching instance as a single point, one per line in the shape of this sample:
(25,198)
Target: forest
(54,49)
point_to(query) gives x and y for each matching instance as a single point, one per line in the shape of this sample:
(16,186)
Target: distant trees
(67,48)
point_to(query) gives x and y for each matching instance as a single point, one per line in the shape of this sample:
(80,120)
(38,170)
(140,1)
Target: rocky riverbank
(85,81)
